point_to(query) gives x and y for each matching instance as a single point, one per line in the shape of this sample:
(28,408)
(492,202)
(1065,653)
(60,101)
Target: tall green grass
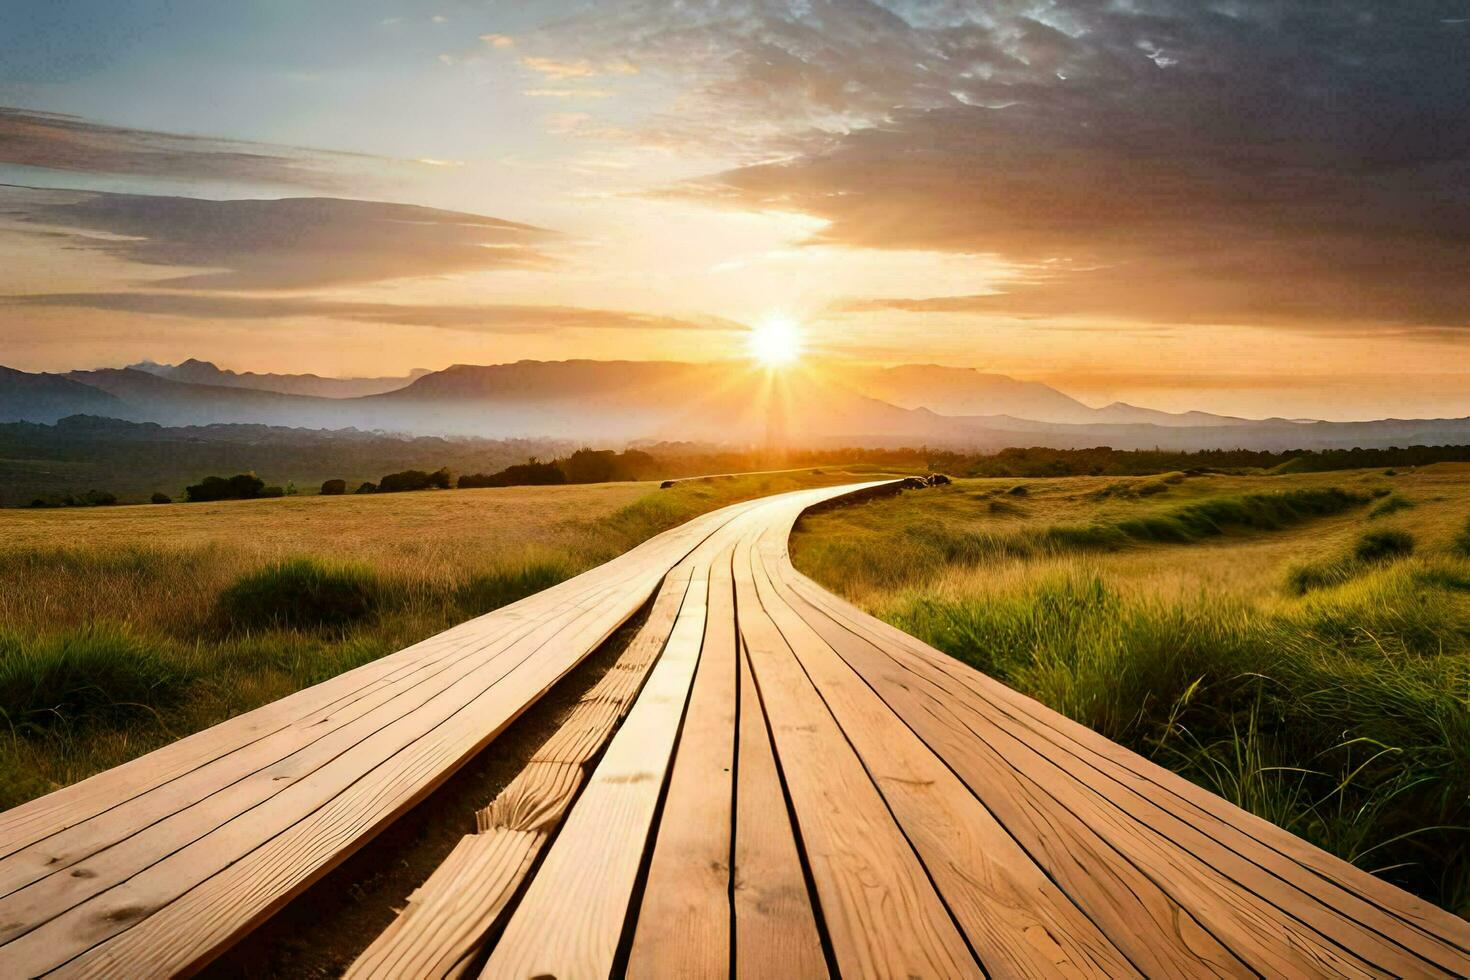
(1344,718)
(301,593)
(96,675)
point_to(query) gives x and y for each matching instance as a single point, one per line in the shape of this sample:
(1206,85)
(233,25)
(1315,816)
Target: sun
(775,341)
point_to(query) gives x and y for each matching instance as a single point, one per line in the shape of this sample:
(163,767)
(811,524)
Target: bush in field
(366,487)
(160,498)
(95,674)
(241,486)
(414,480)
(490,590)
(1383,545)
(333,488)
(272,492)
(301,593)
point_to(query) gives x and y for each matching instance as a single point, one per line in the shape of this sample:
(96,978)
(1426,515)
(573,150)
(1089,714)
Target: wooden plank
(443,927)
(572,917)
(683,925)
(881,912)
(1018,921)
(775,927)
(1368,930)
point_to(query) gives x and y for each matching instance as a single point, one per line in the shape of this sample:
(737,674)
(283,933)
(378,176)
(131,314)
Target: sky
(1256,207)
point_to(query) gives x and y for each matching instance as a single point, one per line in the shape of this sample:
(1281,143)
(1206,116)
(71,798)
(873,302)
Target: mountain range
(195,371)
(613,402)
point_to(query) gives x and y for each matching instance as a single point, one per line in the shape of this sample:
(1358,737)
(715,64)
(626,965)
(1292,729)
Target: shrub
(301,593)
(414,480)
(1019,490)
(98,498)
(333,488)
(1461,544)
(366,487)
(95,674)
(272,492)
(241,486)
(1390,504)
(160,498)
(487,591)
(1383,545)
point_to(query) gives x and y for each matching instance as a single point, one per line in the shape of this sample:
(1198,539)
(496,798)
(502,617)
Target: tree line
(682,459)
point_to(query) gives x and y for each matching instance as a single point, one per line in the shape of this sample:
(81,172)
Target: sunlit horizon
(1086,196)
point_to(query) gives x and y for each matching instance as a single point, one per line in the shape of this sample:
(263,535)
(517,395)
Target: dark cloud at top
(62,142)
(1273,161)
(291,243)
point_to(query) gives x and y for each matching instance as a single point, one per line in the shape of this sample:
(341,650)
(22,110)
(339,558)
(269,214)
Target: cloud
(70,143)
(289,243)
(580,68)
(1250,162)
(487,318)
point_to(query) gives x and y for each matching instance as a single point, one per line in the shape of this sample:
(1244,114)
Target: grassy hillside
(124,628)
(1299,644)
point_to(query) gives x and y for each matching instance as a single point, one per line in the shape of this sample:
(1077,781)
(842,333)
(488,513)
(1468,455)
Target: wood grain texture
(442,928)
(571,919)
(879,906)
(775,927)
(683,924)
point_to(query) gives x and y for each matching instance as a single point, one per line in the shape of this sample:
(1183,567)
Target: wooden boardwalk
(768,783)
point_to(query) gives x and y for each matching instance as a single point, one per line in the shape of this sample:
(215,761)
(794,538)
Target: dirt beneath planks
(322,930)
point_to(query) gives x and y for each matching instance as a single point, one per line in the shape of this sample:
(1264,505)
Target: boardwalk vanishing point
(768,782)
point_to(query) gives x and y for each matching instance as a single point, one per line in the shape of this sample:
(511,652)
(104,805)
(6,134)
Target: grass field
(1299,644)
(123,628)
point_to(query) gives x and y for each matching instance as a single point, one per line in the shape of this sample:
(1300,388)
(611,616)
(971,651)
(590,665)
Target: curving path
(768,782)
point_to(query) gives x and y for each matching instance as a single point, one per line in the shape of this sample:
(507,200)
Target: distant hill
(150,398)
(195,371)
(624,400)
(48,397)
(611,403)
(1122,413)
(964,391)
